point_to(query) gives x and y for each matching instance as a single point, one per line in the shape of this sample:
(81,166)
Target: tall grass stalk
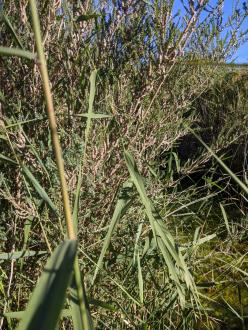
(86,320)
(52,119)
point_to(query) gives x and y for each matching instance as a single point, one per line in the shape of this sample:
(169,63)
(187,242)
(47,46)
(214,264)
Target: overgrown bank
(146,104)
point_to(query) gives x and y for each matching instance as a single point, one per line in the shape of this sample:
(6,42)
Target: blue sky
(242,54)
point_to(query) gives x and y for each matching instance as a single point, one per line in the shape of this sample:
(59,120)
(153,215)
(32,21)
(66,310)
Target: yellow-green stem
(52,120)
(83,306)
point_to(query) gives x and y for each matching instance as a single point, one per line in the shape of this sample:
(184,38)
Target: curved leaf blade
(11,51)
(39,189)
(47,300)
(122,205)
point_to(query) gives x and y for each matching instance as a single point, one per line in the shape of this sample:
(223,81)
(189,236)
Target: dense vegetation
(161,226)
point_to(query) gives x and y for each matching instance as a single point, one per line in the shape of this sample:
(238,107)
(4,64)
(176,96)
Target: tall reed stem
(52,120)
(83,306)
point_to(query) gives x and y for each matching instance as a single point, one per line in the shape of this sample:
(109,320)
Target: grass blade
(224,166)
(20,314)
(90,109)
(77,199)
(12,30)
(136,246)
(39,188)
(47,300)
(175,262)
(139,184)
(35,152)
(75,309)
(120,208)
(7,159)
(225,219)
(94,115)
(82,301)
(9,51)
(140,280)
(89,116)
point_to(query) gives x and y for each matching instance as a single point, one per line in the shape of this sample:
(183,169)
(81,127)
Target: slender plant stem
(83,305)
(52,120)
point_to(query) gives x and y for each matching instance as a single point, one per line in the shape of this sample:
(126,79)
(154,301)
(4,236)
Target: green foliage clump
(160,225)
